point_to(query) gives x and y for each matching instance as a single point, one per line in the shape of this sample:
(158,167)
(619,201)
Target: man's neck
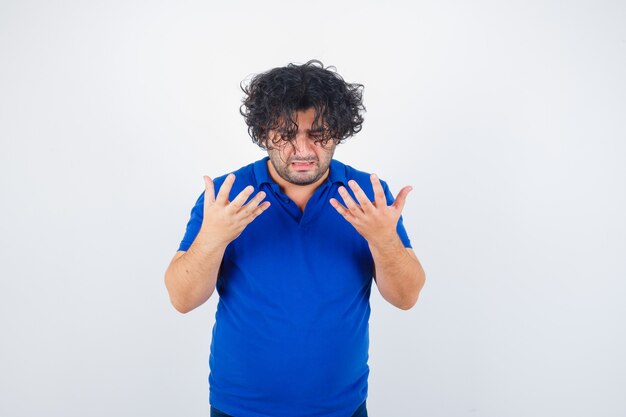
(300,194)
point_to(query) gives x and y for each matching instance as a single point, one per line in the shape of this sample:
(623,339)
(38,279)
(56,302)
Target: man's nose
(303,146)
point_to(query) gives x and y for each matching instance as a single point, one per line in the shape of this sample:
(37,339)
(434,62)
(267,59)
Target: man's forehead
(316,126)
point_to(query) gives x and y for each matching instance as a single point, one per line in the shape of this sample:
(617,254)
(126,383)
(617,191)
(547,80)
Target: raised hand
(375,221)
(225,220)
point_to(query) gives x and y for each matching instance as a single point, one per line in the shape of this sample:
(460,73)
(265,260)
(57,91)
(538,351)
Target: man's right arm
(191,276)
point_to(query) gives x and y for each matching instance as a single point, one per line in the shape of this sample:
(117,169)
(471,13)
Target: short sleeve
(404,237)
(194,223)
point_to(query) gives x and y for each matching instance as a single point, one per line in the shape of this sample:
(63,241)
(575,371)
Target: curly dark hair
(273,98)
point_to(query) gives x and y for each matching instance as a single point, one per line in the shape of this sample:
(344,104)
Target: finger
(379,193)
(209,190)
(241,198)
(340,208)
(251,207)
(401,198)
(349,202)
(365,202)
(223,193)
(260,209)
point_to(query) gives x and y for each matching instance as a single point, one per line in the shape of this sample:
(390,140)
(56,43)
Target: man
(293,264)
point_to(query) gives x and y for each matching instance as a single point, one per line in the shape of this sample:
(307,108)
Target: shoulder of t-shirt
(244,176)
(361,177)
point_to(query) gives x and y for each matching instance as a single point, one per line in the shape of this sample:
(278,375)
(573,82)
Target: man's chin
(302,181)
(303,178)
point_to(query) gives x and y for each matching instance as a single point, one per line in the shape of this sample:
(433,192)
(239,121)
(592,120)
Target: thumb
(401,198)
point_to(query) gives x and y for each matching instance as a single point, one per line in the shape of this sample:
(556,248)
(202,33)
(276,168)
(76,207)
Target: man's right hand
(225,220)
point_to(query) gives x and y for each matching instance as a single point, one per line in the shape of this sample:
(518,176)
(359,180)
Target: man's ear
(263,144)
(266,140)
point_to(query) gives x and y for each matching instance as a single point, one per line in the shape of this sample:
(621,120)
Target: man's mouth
(302,165)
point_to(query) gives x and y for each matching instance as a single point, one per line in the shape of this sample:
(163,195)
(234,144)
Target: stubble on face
(313,157)
(286,166)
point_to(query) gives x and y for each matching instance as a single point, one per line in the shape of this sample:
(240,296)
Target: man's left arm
(398,273)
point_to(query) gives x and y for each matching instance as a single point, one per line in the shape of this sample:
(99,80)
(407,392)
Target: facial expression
(305,162)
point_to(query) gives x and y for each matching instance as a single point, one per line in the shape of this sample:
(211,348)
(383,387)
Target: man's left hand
(375,221)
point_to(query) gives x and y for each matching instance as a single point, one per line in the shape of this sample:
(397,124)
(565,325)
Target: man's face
(305,162)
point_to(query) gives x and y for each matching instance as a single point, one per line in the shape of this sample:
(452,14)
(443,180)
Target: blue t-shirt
(291,333)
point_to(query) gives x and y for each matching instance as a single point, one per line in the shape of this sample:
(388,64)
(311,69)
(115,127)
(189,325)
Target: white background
(506,117)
